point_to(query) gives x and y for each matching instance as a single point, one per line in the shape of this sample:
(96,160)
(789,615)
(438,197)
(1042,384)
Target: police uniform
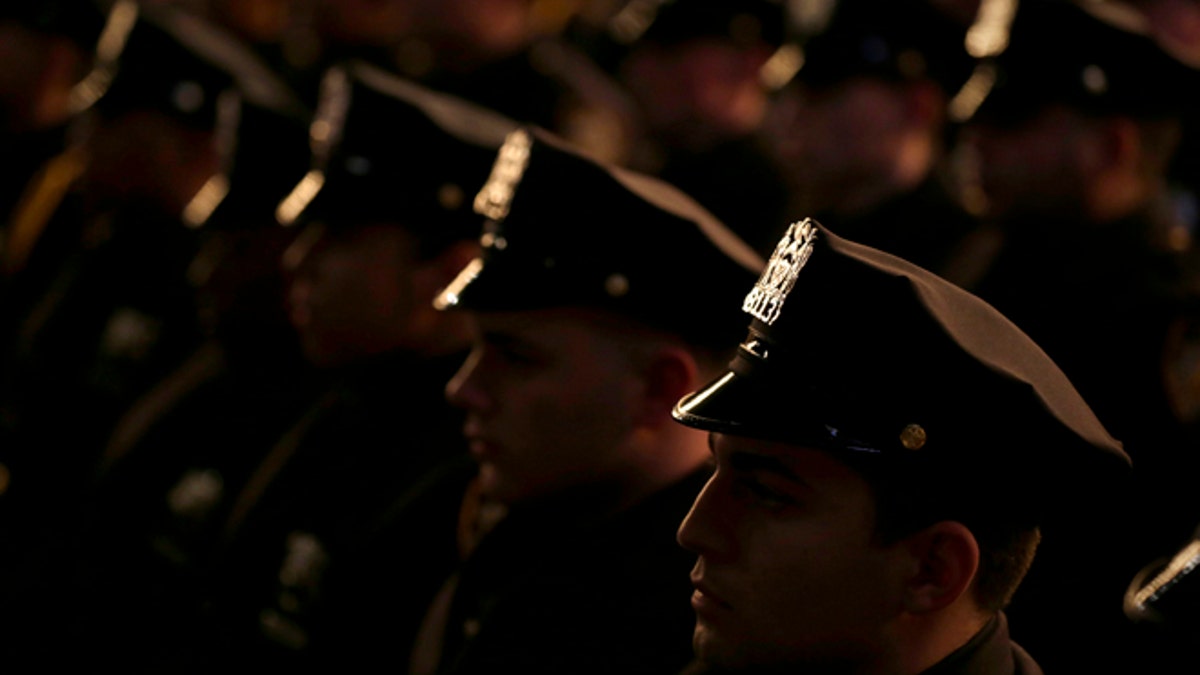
(386,151)
(901,374)
(103,308)
(565,584)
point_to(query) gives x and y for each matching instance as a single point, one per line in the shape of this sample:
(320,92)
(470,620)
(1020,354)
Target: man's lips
(706,600)
(479,448)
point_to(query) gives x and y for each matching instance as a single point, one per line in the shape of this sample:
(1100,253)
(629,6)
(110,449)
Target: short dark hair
(911,498)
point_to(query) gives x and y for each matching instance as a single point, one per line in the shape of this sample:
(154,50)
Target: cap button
(912,437)
(616,285)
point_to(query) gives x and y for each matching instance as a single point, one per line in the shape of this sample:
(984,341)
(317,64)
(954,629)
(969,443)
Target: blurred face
(35,82)
(259,20)
(551,399)
(238,281)
(365,22)
(788,572)
(352,293)
(699,92)
(149,158)
(1034,166)
(832,139)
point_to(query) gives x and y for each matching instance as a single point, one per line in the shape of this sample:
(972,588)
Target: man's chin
(716,654)
(706,645)
(495,485)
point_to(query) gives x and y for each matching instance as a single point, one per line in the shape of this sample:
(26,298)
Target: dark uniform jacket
(546,591)
(990,652)
(374,437)
(1106,302)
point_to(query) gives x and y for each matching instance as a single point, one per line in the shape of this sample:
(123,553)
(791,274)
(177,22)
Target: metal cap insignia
(330,118)
(765,300)
(496,196)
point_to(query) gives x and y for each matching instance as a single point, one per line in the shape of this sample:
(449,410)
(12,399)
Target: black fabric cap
(859,352)
(746,22)
(387,150)
(166,59)
(1059,53)
(78,20)
(566,230)
(265,153)
(893,39)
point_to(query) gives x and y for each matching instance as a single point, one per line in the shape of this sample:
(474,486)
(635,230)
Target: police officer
(385,222)
(101,305)
(559,538)
(48,48)
(692,69)
(862,130)
(887,446)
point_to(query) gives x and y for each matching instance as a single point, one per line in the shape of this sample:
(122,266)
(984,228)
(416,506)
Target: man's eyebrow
(501,338)
(749,461)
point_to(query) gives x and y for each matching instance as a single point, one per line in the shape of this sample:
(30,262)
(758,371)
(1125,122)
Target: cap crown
(386,150)
(892,39)
(166,59)
(857,351)
(567,230)
(1059,53)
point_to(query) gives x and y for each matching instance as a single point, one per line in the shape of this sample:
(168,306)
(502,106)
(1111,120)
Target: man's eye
(765,496)
(521,357)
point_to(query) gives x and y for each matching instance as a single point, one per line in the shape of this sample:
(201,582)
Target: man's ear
(670,374)
(947,558)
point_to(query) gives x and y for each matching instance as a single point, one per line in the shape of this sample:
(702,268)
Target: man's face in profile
(352,294)
(789,571)
(550,398)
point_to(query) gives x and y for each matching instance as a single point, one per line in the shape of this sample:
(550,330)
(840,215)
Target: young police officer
(590,301)
(886,446)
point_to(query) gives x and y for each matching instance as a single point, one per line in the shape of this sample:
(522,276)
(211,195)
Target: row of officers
(853,336)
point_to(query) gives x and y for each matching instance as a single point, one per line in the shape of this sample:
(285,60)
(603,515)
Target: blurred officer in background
(1093,260)
(862,129)
(886,448)
(692,72)
(97,305)
(283,32)
(506,55)
(47,49)
(564,559)
(153,515)
(387,222)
